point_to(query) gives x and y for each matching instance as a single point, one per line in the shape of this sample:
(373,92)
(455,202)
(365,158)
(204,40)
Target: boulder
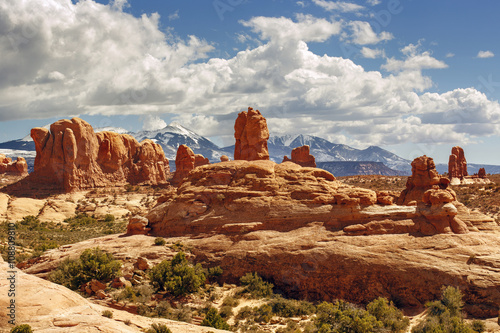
(224,158)
(251,134)
(137,225)
(302,157)
(457,165)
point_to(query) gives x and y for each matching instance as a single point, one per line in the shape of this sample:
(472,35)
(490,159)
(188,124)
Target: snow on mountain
(174,135)
(118,130)
(326,151)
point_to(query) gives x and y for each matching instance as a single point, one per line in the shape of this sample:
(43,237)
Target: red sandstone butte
(251,134)
(457,165)
(302,157)
(71,156)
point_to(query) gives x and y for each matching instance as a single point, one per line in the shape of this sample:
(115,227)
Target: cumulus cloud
(485,54)
(372,53)
(415,60)
(450,55)
(62,59)
(363,34)
(307,28)
(153,123)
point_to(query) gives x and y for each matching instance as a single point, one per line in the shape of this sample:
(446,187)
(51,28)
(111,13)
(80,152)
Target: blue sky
(414,77)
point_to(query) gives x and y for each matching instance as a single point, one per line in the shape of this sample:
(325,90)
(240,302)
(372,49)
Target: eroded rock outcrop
(251,134)
(184,162)
(302,157)
(457,165)
(19,167)
(433,198)
(481,173)
(71,156)
(200,160)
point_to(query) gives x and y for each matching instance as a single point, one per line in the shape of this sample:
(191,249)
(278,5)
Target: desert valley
(108,239)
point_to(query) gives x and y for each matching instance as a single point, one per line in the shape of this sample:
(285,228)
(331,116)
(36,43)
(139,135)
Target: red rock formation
(481,173)
(184,162)
(17,168)
(224,158)
(424,177)
(457,165)
(434,200)
(302,157)
(251,134)
(200,160)
(72,156)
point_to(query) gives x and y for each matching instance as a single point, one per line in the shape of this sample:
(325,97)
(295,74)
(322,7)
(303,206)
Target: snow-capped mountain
(326,151)
(174,135)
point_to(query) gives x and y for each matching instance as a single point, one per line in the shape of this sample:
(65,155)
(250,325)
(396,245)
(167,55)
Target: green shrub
(445,316)
(80,220)
(345,317)
(291,308)
(127,293)
(478,326)
(226,311)
(244,313)
(255,286)
(92,264)
(391,317)
(109,218)
(24,328)
(214,319)
(178,276)
(107,314)
(264,313)
(160,241)
(214,273)
(158,328)
(230,301)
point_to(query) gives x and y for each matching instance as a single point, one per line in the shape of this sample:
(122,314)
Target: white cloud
(372,53)
(485,54)
(450,55)
(374,2)
(307,28)
(153,123)
(338,6)
(174,16)
(414,61)
(301,4)
(363,34)
(88,58)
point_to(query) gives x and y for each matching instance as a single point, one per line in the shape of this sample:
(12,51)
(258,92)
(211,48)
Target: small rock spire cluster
(18,167)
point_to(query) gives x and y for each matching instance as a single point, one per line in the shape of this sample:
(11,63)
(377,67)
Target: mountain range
(341,160)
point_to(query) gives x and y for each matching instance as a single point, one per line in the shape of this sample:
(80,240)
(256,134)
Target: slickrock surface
(319,264)
(251,134)
(71,156)
(19,167)
(48,307)
(457,165)
(57,208)
(302,157)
